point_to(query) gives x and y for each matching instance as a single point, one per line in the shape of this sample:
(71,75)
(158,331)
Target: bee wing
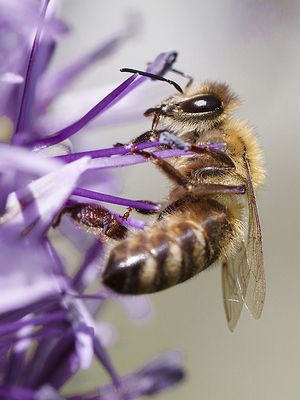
(257,287)
(235,278)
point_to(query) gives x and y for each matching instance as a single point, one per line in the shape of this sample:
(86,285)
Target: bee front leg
(148,136)
(189,77)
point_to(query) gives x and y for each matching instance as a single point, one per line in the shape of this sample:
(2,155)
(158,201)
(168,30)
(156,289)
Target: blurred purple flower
(49,326)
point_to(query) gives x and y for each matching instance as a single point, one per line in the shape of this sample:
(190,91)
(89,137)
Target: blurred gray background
(252,45)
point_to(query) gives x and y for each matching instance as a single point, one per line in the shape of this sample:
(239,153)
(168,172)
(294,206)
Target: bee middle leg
(177,177)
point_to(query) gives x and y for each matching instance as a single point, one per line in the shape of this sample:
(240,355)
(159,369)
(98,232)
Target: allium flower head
(50,328)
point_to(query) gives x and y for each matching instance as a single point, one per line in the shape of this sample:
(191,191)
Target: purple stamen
(122,150)
(106,198)
(104,359)
(16,393)
(80,281)
(30,78)
(117,94)
(7,328)
(112,151)
(47,332)
(127,160)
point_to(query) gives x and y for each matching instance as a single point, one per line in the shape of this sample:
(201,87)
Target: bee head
(197,108)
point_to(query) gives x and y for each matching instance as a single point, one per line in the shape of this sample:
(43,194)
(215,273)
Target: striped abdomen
(177,247)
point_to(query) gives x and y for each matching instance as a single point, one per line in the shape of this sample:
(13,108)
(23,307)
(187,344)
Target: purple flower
(49,325)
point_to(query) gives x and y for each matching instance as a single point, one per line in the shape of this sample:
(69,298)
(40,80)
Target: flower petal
(52,84)
(20,159)
(107,333)
(25,273)
(83,324)
(89,269)
(84,345)
(47,392)
(11,78)
(155,377)
(138,308)
(100,107)
(41,200)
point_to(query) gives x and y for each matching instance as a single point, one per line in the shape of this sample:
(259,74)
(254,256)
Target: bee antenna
(153,76)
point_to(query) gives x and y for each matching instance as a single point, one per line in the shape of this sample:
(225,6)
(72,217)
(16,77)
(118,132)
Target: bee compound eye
(206,103)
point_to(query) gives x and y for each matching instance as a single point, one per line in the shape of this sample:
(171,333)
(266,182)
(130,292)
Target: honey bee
(210,215)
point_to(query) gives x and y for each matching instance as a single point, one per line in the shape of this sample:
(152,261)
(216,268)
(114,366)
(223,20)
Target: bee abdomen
(172,251)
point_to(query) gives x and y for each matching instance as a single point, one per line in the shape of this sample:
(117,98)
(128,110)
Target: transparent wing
(257,287)
(235,278)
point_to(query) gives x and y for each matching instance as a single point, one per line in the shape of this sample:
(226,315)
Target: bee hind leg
(95,219)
